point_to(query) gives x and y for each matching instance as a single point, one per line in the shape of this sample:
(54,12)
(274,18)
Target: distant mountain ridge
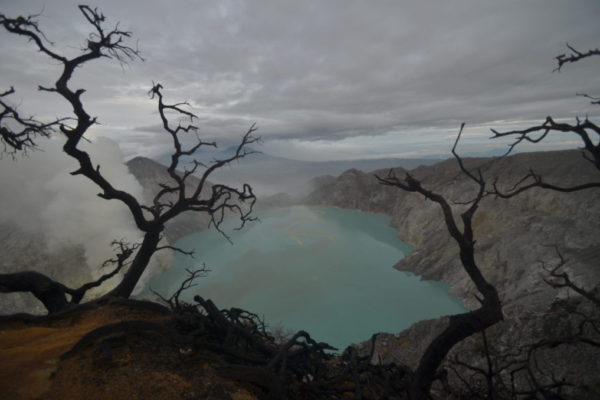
(270,174)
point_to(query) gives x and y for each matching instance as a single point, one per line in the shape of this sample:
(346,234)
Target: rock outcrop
(354,189)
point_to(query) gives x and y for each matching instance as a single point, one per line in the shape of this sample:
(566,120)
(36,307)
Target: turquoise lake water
(321,269)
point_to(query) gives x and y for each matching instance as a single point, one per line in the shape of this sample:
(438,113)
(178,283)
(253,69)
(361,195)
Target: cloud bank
(316,73)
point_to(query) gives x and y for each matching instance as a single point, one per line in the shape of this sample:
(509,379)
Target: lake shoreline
(333,261)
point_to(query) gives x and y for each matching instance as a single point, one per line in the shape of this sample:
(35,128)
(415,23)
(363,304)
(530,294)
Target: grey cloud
(331,70)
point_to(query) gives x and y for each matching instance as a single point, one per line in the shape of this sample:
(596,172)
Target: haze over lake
(325,270)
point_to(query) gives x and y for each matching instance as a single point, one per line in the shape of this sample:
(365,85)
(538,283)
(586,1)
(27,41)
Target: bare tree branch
(186,284)
(52,293)
(594,100)
(18,133)
(587,131)
(575,56)
(125,251)
(177,250)
(558,279)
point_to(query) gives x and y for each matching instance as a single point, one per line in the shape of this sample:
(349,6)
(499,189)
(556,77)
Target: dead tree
(174,197)
(519,373)
(589,134)
(464,325)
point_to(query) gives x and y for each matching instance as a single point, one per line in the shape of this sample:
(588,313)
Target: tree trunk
(460,327)
(45,289)
(139,264)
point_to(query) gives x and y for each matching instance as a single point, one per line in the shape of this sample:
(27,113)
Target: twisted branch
(575,56)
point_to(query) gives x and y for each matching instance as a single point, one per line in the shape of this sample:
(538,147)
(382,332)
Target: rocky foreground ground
(31,366)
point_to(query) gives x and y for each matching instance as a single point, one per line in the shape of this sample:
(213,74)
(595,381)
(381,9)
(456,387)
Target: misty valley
(322,269)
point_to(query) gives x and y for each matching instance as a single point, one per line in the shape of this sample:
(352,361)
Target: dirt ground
(138,368)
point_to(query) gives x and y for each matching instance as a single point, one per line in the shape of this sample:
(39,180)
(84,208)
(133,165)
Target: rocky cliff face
(516,240)
(514,236)
(356,190)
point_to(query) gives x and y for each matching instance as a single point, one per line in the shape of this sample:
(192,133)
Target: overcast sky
(322,79)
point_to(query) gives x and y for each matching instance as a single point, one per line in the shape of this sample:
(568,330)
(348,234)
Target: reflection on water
(322,269)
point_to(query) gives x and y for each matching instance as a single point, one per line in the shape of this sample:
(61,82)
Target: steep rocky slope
(516,239)
(356,190)
(513,236)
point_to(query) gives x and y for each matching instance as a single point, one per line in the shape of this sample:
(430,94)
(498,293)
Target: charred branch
(587,131)
(575,56)
(533,180)
(222,198)
(56,296)
(173,301)
(594,100)
(523,370)
(219,202)
(510,373)
(177,250)
(124,252)
(18,133)
(560,279)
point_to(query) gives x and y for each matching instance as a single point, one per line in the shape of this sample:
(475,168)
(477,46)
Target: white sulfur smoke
(38,194)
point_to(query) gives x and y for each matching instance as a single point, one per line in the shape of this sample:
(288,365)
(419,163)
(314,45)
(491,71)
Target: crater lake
(325,270)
